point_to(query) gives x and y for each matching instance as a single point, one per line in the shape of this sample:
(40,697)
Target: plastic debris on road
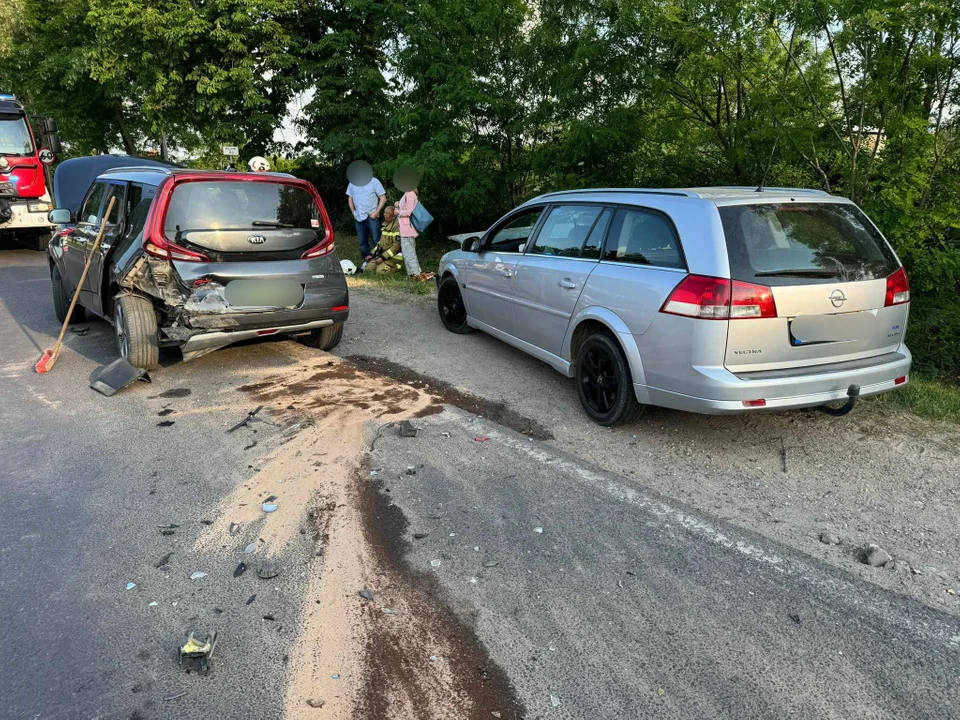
(234,528)
(153,604)
(196,653)
(408,429)
(240,569)
(482,438)
(538,530)
(269,507)
(435,563)
(250,548)
(366,595)
(554,701)
(198,575)
(131,586)
(269,569)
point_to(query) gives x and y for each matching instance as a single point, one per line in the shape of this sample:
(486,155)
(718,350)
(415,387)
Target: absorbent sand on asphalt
(395,656)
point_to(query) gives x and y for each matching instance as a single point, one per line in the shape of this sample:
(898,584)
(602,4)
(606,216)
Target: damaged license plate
(286,294)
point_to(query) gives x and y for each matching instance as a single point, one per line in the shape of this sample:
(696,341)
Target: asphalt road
(629,603)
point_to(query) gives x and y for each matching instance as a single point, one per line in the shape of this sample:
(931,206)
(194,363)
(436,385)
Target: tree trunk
(124,134)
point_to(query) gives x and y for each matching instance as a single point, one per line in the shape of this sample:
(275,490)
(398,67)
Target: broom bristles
(45,362)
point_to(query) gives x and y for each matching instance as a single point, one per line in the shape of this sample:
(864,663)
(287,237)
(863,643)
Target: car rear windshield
(794,243)
(225,205)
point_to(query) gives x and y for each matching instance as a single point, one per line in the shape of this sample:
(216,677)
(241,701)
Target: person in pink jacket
(408,234)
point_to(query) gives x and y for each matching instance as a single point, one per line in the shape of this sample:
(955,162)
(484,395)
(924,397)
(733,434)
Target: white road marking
(834,591)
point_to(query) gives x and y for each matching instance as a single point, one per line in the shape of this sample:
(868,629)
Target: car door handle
(566,284)
(507,273)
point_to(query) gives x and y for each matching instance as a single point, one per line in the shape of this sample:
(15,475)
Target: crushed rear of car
(200,260)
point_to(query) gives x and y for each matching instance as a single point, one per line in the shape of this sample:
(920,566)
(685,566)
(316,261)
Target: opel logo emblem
(837,298)
(256,239)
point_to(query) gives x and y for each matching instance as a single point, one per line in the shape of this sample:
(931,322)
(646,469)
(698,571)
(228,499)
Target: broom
(49,357)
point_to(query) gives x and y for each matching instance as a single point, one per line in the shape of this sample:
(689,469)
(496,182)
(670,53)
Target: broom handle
(83,275)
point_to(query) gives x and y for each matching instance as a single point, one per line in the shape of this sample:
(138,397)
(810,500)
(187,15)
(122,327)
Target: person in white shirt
(366,197)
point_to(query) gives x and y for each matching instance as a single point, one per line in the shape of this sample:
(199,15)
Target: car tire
(604,384)
(61,301)
(325,338)
(135,325)
(453,313)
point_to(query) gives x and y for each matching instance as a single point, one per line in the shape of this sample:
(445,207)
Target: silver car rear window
(794,243)
(202,205)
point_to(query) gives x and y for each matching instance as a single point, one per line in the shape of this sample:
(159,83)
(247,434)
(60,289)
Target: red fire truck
(24,180)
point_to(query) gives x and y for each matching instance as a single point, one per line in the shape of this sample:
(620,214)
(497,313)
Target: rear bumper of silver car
(214,340)
(791,389)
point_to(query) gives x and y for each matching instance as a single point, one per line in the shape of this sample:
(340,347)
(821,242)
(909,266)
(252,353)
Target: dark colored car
(200,260)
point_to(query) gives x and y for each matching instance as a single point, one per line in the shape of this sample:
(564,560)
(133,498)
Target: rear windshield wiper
(271,223)
(799,272)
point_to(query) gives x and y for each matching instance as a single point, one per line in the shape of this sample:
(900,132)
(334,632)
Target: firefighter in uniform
(386,256)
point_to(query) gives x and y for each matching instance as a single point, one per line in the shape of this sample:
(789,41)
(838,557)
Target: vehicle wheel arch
(598,319)
(451,270)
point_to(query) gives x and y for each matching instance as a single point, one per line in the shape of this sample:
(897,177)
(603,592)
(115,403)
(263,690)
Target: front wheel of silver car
(135,324)
(604,384)
(453,313)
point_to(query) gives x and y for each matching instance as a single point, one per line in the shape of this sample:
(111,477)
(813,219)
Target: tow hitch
(853,393)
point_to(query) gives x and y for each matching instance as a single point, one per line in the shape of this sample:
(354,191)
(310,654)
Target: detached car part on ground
(712,300)
(199,260)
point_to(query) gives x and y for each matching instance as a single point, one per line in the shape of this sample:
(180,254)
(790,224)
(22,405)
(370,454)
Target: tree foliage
(497,100)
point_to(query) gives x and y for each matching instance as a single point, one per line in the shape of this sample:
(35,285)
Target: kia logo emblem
(256,239)
(837,298)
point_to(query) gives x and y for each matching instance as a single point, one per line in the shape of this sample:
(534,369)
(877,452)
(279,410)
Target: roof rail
(624,191)
(766,188)
(139,168)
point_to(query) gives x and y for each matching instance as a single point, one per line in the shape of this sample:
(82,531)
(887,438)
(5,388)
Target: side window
(591,248)
(139,198)
(644,238)
(90,212)
(114,191)
(565,230)
(514,235)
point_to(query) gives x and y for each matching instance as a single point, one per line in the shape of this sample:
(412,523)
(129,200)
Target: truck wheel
(42,240)
(604,383)
(61,301)
(135,323)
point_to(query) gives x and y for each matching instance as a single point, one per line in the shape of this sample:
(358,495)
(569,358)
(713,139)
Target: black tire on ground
(61,301)
(325,338)
(41,241)
(453,313)
(135,325)
(604,384)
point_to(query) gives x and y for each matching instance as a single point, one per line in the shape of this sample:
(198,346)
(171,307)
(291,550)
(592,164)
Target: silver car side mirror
(60,216)
(471,244)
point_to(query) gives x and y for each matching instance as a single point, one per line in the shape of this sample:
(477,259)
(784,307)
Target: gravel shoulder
(873,476)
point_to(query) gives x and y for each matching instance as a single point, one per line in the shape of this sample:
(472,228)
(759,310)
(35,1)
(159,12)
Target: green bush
(933,335)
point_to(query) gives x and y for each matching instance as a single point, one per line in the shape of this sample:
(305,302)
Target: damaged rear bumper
(207,341)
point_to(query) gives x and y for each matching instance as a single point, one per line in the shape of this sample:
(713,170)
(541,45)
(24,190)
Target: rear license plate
(285,294)
(844,327)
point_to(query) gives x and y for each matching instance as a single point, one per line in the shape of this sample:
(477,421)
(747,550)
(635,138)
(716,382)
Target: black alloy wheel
(604,384)
(453,312)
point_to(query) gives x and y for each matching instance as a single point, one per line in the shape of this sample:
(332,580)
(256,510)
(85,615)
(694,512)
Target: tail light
(154,241)
(65,232)
(710,298)
(324,247)
(898,289)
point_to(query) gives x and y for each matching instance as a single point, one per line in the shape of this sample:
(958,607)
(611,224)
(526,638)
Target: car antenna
(766,170)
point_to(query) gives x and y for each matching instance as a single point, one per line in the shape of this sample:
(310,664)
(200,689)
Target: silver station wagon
(711,300)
